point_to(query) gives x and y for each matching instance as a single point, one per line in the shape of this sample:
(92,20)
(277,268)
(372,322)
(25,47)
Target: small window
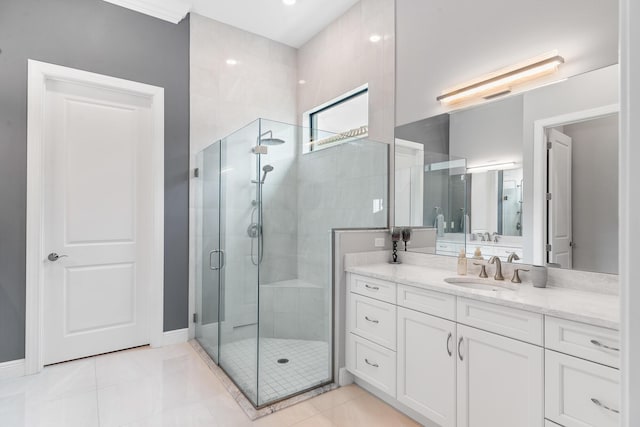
(342,119)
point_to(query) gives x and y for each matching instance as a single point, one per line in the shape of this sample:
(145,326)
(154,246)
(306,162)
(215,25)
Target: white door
(500,381)
(98,218)
(427,366)
(559,207)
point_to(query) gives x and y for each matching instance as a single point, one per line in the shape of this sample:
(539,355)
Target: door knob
(54,256)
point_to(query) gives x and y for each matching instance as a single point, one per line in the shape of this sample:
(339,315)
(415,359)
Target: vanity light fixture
(289,2)
(501,82)
(492,167)
(375,38)
(231,61)
(302,82)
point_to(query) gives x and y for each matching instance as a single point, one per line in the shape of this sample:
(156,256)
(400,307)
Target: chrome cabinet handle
(448,342)
(602,405)
(459,352)
(599,344)
(371,320)
(223,259)
(373,288)
(375,365)
(54,256)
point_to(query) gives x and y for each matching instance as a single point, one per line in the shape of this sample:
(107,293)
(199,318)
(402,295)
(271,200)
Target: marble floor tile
(167,387)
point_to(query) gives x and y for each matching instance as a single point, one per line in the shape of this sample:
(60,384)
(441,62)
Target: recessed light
(301,82)
(375,38)
(289,2)
(231,61)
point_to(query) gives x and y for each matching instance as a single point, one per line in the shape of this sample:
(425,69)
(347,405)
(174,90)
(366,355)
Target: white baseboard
(175,337)
(12,369)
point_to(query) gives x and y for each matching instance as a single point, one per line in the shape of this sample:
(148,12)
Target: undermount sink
(480,284)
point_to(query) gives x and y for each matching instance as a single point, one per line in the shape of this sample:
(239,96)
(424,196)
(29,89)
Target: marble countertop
(581,306)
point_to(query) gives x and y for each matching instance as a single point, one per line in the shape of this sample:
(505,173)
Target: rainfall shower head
(265,170)
(270,140)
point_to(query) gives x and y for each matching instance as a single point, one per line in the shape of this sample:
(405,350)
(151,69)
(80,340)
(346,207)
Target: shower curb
(240,398)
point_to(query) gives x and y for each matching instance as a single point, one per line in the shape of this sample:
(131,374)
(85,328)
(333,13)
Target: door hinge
(548,247)
(548,196)
(549,145)
(196,172)
(195,317)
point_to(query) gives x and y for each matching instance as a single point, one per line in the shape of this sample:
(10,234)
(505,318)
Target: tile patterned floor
(166,387)
(308,366)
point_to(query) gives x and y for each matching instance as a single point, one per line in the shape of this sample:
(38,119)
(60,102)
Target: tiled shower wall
(225,98)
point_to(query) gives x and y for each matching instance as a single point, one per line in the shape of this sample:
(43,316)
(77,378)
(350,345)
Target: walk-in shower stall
(268,198)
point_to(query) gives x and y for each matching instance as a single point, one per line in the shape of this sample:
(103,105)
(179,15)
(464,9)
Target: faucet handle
(516,275)
(483,270)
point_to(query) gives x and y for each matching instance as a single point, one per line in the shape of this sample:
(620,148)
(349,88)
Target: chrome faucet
(513,257)
(486,237)
(495,237)
(495,260)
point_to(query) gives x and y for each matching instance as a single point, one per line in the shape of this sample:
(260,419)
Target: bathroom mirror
(505,192)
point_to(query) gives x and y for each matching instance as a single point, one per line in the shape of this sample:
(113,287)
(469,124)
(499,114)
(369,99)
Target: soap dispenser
(478,254)
(462,263)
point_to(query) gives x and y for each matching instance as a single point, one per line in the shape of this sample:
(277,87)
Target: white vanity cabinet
(500,381)
(581,380)
(426,379)
(460,362)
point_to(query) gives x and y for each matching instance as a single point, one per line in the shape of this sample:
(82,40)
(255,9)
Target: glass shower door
(240,242)
(208,245)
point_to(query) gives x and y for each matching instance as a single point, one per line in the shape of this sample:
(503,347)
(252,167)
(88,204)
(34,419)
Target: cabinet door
(426,380)
(500,381)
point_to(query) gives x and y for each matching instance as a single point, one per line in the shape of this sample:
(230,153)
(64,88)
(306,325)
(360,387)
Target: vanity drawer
(580,393)
(509,322)
(426,301)
(585,341)
(374,288)
(373,363)
(372,319)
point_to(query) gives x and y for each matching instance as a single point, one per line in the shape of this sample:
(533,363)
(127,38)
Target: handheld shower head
(265,170)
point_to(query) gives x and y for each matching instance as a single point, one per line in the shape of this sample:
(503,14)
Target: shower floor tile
(307,366)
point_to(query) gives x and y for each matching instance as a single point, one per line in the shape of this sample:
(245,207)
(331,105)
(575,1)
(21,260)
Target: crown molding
(169,10)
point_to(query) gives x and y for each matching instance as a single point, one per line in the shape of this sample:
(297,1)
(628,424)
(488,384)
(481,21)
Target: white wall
(442,43)
(595,194)
(341,58)
(225,98)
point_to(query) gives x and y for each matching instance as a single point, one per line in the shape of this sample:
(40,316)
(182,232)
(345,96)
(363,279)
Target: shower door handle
(220,260)
(223,259)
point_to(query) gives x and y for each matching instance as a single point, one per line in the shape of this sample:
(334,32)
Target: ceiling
(292,25)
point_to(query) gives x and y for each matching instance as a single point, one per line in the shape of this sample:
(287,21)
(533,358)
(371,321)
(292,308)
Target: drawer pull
(599,344)
(602,405)
(373,288)
(449,341)
(371,320)
(459,352)
(375,365)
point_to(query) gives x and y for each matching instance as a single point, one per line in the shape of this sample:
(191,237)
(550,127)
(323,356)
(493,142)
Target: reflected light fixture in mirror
(492,167)
(502,81)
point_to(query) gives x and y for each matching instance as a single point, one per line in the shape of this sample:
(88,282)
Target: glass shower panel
(241,238)
(304,196)
(208,242)
(265,294)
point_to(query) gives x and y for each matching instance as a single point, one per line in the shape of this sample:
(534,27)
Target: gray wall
(595,194)
(95,36)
